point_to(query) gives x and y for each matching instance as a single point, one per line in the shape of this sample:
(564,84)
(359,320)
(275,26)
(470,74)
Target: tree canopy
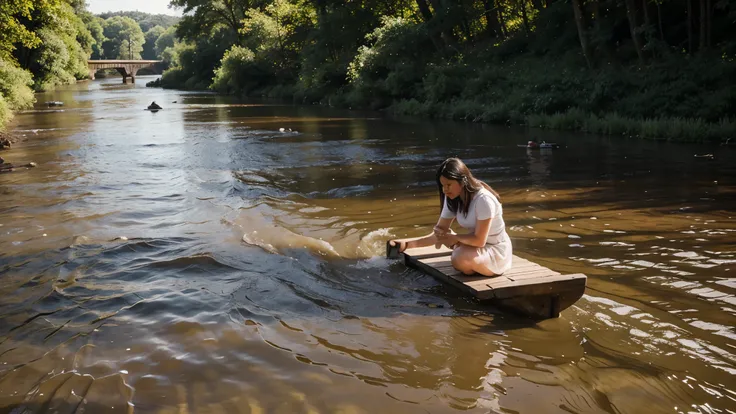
(145,20)
(125,38)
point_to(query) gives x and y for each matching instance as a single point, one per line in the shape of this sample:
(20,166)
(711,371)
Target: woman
(486,248)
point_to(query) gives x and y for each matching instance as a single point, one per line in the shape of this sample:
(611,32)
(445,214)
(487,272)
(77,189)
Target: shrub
(239,72)
(393,67)
(15,90)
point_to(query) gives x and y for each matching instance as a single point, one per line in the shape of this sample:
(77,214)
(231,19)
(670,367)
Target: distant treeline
(145,20)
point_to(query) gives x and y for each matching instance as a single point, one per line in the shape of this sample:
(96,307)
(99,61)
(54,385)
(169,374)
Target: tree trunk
(633,27)
(690,42)
(424,10)
(427,16)
(524,17)
(581,25)
(493,28)
(703,26)
(659,22)
(709,15)
(442,15)
(501,20)
(597,18)
(466,30)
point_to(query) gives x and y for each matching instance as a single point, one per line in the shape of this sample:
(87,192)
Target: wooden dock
(527,288)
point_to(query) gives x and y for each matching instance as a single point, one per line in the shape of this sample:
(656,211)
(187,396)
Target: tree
(15,30)
(166,40)
(145,20)
(149,47)
(582,26)
(60,56)
(124,38)
(493,25)
(94,25)
(202,16)
(273,31)
(632,16)
(15,90)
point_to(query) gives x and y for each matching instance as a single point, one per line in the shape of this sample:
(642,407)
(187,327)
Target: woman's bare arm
(428,240)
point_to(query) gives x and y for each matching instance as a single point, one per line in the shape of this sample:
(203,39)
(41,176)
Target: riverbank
(575,119)
(681,98)
(664,128)
(6,140)
(684,99)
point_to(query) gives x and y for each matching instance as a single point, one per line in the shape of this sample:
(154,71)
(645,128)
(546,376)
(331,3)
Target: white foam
(639,333)
(375,262)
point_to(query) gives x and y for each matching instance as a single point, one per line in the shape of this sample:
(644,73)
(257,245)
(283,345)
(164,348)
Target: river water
(199,260)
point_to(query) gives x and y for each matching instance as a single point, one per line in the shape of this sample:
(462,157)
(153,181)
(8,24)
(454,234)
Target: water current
(227,256)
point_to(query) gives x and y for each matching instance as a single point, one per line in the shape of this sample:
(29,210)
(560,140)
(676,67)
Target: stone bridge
(127,68)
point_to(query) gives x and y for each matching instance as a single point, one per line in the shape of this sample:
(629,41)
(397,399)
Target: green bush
(443,83)
(393,67)
(15,90)
(52,61)
(235,72)
(173,77)
(412,107)
(15,86)
(6,114)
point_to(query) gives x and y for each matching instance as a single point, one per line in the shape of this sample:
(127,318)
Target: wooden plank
(540,286)
(514,271)
(527,287)
(535,274)
(443,277)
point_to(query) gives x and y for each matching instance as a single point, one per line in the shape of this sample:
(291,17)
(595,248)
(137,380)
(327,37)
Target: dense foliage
(649,68)
(46,43)
(146,21)
(124,38)
(43,43)
(634,67)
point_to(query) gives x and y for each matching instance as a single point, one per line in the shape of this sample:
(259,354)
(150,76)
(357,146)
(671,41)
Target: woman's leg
(469,260)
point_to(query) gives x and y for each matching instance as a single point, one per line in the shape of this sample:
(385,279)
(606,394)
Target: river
(200,259)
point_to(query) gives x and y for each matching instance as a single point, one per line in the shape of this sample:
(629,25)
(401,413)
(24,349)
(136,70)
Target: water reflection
(202,259)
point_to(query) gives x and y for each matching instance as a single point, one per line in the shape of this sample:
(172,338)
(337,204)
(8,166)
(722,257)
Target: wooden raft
(527,288)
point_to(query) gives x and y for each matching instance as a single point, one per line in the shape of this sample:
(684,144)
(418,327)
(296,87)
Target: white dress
(497,252)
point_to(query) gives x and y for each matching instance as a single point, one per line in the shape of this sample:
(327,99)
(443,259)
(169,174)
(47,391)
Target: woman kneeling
(486,248)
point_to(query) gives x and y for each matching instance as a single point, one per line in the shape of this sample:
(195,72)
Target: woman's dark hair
(454,169)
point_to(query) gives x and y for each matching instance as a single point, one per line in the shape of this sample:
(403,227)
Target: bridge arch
(127,68)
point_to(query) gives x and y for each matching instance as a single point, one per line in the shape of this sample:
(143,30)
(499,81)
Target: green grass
(662,128)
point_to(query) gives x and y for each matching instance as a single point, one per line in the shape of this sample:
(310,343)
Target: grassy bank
(576,119)
(681,99)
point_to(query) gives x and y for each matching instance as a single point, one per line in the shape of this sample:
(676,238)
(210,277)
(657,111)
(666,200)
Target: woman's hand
(402,244)
(449,239)
(439,232)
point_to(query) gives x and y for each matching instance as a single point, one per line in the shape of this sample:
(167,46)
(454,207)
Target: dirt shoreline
(7,139)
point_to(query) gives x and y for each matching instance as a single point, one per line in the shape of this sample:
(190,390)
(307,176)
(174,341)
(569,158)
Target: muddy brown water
(199,260)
